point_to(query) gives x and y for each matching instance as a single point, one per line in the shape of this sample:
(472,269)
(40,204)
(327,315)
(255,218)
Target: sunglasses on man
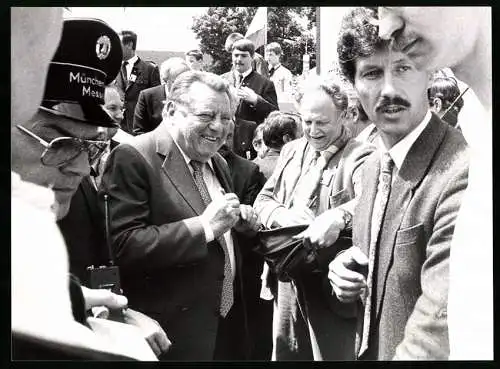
(63,150)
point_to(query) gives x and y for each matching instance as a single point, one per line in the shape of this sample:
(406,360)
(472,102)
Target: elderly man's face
(63,180)
(433,37)
(321,121)
(113,105)
(393,93)
(200,123)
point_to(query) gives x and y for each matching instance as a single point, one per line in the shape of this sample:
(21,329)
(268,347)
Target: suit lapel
(409,176)
(222,173)
(175,168)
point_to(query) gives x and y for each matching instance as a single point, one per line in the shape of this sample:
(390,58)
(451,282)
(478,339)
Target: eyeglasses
(62,150)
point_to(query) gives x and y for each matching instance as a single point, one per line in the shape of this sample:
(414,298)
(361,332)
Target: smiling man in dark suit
(135,75)
(149,108)
(405,217)
(256,93)
(173,212)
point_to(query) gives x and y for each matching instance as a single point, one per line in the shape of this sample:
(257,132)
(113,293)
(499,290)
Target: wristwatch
(347,218)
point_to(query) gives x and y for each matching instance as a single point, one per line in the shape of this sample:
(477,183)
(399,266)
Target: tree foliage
(284,27)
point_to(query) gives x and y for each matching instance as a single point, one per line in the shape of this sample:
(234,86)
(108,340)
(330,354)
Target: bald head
(171,68)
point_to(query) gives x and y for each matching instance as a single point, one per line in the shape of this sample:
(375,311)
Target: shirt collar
(276,66)
(244,74)
(132,60)
(399,151)
(187,159)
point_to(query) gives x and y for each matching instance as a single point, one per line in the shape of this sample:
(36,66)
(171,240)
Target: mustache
(387,101)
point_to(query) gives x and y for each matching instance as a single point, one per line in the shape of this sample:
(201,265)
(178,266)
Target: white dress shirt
(130,65)
(216,193)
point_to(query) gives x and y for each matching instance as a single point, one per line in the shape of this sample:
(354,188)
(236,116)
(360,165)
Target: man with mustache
(460,38)
(256,93)
(404,220)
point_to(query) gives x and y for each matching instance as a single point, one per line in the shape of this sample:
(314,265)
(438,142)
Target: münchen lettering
(83,79)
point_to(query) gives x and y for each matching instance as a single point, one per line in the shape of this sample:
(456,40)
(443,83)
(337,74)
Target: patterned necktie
(379,207)
(227,285)
(309,180)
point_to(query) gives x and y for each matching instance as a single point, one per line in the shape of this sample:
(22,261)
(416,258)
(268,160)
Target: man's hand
(247,94)
(152,331)
(324,229)
(101,297)
(348,284)
(249,221)
(222,213)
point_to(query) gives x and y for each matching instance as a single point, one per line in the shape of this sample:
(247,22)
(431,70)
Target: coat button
(183,308)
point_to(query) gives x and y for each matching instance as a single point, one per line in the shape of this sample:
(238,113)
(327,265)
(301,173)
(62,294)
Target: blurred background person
(194,58)
(258,63)
(278,129)
(151,101)
(135,75)
(280,75)
(445,100)
(258,143)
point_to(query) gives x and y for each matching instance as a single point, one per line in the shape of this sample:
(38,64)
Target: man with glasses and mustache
(173,210)
(405,217)
(460,38)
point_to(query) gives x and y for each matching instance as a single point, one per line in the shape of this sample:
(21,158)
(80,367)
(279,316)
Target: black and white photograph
(251,184)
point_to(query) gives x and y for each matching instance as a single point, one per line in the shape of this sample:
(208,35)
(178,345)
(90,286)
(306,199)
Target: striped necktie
(379,207)
(227,297)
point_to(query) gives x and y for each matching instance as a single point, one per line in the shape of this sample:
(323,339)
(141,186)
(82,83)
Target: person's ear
(169,109)
(287,138)
(437,104)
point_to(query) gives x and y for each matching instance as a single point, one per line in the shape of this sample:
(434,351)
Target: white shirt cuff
(209,233)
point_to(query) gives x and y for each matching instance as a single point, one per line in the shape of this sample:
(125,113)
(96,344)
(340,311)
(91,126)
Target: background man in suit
(149,108)
(460,38)
(258,62)
(405,218)
(172,210)
(443,92)
(256,93)
(315,182)
(135,75)
(279,74)
(194,58)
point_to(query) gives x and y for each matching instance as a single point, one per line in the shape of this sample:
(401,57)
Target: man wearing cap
(135,75)
(149,108)
(54,149)
(173,209)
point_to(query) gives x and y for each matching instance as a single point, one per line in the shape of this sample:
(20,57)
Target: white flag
(257,31)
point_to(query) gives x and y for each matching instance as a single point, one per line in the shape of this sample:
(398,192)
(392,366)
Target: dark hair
(358,37)
(276,125)
(445,88)
(231,39)
(129,36)
(244,45)
(196,53)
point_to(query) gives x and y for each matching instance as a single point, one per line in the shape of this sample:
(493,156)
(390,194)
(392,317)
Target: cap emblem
(103,47)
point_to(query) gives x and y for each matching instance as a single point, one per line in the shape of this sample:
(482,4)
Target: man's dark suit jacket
(412,269)
(149,108)
(168,270)
(148,76)
(248,182)
(267,102)
(83,231)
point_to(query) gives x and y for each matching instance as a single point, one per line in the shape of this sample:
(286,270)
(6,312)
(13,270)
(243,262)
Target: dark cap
(88,58)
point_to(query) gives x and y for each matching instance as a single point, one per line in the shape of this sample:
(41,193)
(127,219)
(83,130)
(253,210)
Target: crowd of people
(193,217)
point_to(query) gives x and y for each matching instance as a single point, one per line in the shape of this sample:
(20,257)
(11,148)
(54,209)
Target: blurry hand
(102,297)
(151,330)
(247,94)
(249,221)
(324,229)
(222,213)
(348,284)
